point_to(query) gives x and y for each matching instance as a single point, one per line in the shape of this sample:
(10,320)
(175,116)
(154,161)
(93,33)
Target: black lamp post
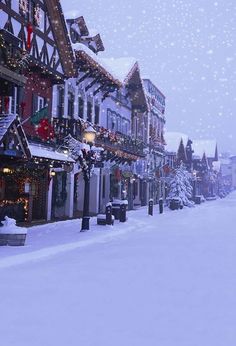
(89,135)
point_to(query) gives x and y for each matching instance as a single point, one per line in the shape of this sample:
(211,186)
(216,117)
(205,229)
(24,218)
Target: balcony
(117,142)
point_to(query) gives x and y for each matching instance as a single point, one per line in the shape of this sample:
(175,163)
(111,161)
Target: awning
(47,153)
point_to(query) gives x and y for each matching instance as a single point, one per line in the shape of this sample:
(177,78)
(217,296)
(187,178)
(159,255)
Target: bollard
(150,207)
(161,205)
(122,212)
(109,214)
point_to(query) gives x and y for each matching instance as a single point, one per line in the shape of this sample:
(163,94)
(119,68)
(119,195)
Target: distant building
(233,171)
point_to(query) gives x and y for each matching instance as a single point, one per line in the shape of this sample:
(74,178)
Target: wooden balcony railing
(105,138)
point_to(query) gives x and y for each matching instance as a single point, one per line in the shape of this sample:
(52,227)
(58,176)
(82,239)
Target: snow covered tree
(180,186)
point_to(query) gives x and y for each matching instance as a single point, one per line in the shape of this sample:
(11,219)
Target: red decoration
(166,169)
(45,130)
(6,104)
(29,33)
(117,174)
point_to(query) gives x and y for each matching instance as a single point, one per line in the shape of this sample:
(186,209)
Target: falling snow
(186,47)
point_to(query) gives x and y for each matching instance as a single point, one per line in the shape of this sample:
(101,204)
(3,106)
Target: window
(23,7)
(125,126)
(97,111)
(60,102)
(71,99)
(40,103)
(118,123)
(111,120)
(89,111)
(80,107)
(12,102)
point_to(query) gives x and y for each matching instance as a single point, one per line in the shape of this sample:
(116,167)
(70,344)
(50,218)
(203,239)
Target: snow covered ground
(165,280)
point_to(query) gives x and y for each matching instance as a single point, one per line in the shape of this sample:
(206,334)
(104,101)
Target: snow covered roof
(41,151)
(216,165)
(207,146)
(79,47)
(173,140)
(5,122)
(11,121)
(225,161)
(120,67)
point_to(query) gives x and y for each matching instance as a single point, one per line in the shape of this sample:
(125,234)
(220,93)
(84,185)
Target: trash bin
(150,207)
(116,209)
(109,219)
(161,205)
(174,204)
(123,211)
(197,199)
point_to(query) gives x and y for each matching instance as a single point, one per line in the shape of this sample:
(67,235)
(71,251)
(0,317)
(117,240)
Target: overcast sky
(186,47)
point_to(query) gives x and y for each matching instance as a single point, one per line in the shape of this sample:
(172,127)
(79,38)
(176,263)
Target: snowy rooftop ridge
(81,47)
(120,67)
(173,140)
(207,146)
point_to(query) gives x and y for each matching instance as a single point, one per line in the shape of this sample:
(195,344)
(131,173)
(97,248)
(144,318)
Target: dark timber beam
(86,75)
(92,83)
(98,89)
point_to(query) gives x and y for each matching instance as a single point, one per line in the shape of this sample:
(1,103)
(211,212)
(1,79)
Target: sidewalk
(51,239)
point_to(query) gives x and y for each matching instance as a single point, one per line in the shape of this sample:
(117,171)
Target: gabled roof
(120,68)
(173,140)
(207,146)
(91,60)
(10,122)
(128,72)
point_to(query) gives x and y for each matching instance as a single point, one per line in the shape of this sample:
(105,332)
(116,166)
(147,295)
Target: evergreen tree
(180,186)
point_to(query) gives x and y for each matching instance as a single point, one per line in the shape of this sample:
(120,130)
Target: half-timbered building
(111,102)
(156,141)
(35,54)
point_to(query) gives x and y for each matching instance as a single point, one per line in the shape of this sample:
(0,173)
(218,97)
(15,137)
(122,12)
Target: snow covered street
(165,280)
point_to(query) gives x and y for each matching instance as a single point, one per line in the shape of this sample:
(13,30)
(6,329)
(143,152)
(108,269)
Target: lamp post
(89,135)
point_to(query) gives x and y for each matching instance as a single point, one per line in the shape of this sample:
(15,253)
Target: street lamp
(89,135)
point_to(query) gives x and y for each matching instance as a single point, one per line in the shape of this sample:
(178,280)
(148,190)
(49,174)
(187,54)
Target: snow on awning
(5,123)
(47,153)
(10,123)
